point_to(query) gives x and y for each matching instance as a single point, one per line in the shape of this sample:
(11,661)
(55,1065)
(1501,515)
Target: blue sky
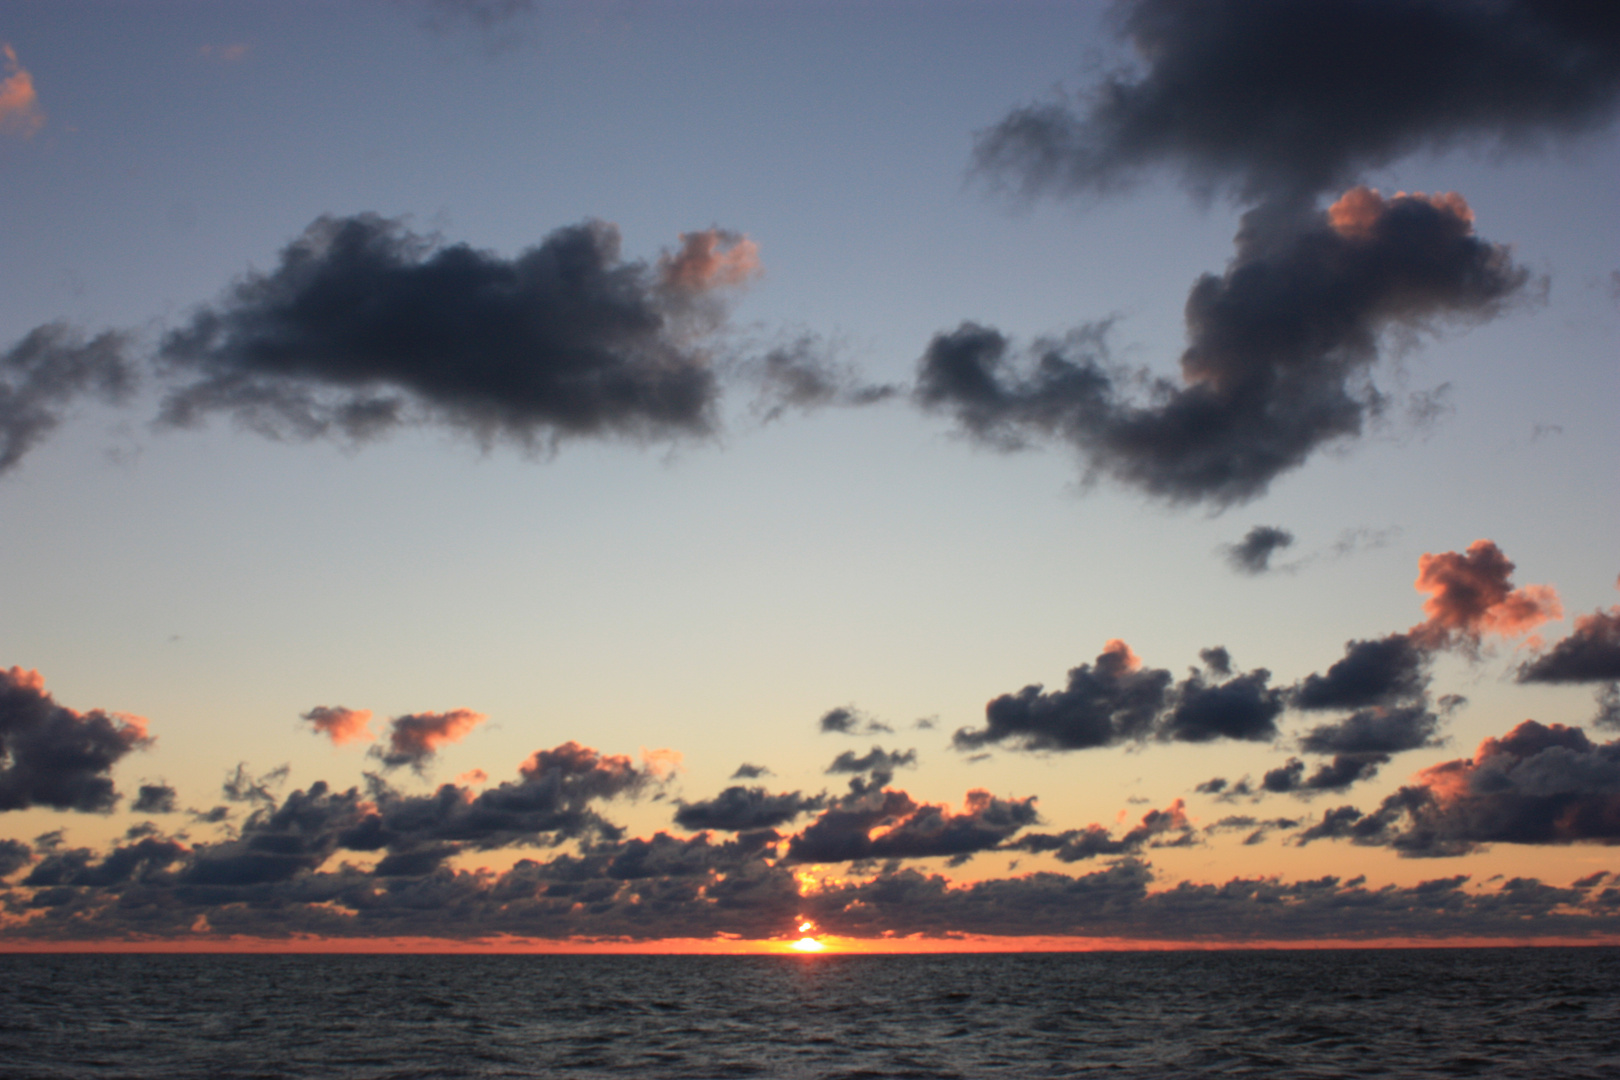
(716,592)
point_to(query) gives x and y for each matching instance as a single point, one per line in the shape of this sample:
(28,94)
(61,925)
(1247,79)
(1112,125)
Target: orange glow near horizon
(755,947)
(808,944)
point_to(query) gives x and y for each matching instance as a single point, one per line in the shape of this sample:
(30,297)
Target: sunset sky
(492,473)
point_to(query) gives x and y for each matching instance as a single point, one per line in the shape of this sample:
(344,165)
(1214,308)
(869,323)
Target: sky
(509,474)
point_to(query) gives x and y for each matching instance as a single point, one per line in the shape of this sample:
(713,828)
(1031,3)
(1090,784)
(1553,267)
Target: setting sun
(808,944)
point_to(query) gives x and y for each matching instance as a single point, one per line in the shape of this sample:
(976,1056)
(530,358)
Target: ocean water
(1541,1013)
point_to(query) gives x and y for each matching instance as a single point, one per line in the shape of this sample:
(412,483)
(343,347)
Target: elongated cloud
(740,809)
(1380,672)
(1271,98)
(341,725)
(1591,653)
(1538,784)
(1280,351)
(1116,700)
(1075,845)
(51,755)
(45,373)
(848,720)
(414,739)
(19,102)
(874,822)
(363,326)
(1471,594)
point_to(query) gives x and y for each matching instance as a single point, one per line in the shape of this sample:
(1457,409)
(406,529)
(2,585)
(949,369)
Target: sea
(1540,1013)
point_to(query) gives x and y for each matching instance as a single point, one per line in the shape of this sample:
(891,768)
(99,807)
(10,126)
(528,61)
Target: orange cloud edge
(833,946)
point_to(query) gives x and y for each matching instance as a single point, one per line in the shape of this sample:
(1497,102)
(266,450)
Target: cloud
(1591,653)
(46,372)
(748,771)
(241,786)
(1252,555)
(1255,98)
(1256,828)
(364,326)
(1117,700)
(848,720)
(1471,594)
(341,725)
(155,799)
(414,739)
(1104,704)
(874,822)
(708,260)
(1334,775)
(877,761)
(14,855)
(804,376)
(739,809)
(51,755)
(1075,845)
(1538,784)
(1374,730)
(1278,365)
(1382,671)
(19,102)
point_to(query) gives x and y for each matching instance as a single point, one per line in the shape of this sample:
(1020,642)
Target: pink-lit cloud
(19,102)
(415,738)
(341,725)
(1471,594)
(1358,212)
(708,260)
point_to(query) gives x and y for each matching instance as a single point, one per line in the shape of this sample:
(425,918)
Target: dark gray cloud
(740,809)
(804,376)
(363,325)
(1381,671)
(747,771)
(909,829)
(1241,707)
(14,855)
(1256,828)
(45,373)
(1591,653)
(664,887)
(53,756)
(1375,730)
(1270,98)
(1252,555)
(1280,355)
(1117,700)
(154,799)
(877,761)
(242,786)
(1538,784)
(1105,703)
(1335,775)
(1076,845)
(848,720)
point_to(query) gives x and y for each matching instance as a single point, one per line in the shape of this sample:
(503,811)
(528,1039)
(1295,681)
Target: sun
(807,944)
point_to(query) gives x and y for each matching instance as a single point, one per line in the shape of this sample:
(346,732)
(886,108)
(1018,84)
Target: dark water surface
(1540,1013)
